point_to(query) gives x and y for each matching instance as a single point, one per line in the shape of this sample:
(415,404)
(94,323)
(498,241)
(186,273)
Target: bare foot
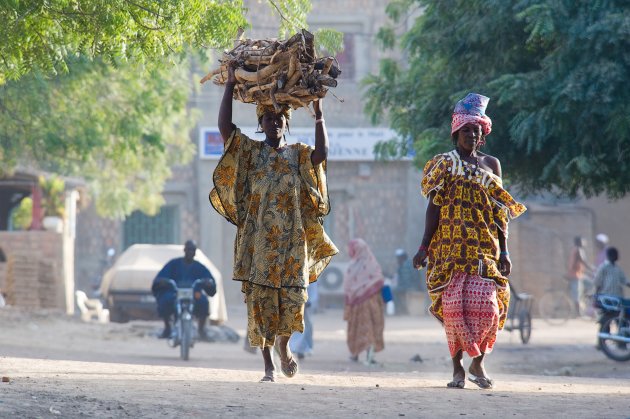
(270,368)
(288,365)
(459,373)
(478,373)
(477,367)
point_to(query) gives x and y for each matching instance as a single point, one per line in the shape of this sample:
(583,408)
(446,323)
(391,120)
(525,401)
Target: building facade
(375,200)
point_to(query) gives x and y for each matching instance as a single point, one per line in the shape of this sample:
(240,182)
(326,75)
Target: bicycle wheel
(184,348)
(525,325)
(612,331)
(555,307)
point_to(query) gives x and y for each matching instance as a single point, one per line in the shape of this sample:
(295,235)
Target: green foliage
(329,40)
(21,216)
(556,73)
(292,14)
(119,131)
(386,37)
(46,35)
(397,9)
(53,196)
(99,89)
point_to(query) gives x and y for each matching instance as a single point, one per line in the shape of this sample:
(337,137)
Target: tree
(556,72)
(119,131)
(99,89)
(47,35)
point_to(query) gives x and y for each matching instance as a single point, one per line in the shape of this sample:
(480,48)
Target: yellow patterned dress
(276,199)
(464,250)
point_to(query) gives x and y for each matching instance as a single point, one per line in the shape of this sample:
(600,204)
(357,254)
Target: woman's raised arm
(226,127)
(321,135)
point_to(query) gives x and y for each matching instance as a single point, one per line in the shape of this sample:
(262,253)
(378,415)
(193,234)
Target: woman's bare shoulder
(491,162)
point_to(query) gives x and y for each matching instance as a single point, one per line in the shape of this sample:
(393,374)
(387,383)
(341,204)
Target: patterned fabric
(473,208)
(363,277)
(273,312)
(276,199)
(472,108)
(366,322)
(471,314)
(263,109)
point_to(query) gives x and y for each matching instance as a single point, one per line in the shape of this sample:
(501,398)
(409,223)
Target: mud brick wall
(540,243)
(369,200)
(32,277)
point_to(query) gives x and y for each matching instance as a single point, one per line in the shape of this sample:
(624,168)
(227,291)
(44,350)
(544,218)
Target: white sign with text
(350,144)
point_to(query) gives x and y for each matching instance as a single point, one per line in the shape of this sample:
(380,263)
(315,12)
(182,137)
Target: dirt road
(60,367)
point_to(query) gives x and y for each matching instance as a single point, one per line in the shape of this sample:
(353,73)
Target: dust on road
(60,367)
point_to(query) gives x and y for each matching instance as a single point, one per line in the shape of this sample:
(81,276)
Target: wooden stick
(275,72)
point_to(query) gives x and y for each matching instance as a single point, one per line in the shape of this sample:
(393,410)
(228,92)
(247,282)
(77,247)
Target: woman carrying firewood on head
(275,194)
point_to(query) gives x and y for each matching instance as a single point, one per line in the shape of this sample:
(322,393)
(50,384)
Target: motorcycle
(184,333)
(614,331)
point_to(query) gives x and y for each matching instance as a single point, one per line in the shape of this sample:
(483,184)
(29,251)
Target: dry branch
(275,72)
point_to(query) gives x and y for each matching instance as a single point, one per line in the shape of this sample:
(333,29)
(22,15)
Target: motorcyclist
(183,271)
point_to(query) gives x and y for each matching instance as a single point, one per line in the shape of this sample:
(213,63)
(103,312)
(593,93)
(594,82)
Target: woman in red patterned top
(465,241)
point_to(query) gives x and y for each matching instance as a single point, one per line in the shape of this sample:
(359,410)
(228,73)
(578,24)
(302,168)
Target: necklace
(476,157)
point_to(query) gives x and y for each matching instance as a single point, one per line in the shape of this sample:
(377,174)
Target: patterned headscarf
(472,108)
(364,277)
(263,109)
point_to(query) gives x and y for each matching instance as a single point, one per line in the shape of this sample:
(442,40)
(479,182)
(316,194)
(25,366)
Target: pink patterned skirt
(471,314)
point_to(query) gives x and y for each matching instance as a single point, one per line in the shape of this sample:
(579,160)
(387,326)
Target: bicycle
(520,314)
(556,306)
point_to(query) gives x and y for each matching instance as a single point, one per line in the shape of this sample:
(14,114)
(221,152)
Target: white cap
(602,238)
(400,252)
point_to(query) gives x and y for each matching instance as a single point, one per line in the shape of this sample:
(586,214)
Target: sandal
(288,369)
(482,382)
(291,368)
(456,384)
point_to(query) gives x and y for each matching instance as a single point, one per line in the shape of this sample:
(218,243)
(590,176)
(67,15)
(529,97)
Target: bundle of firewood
(272,72)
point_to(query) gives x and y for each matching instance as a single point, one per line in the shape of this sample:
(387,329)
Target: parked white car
(126,286)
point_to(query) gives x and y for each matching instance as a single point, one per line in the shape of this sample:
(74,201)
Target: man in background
(183,271)
(601,245)
(610,279)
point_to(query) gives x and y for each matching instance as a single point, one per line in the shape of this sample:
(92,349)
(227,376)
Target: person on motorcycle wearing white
(183,271)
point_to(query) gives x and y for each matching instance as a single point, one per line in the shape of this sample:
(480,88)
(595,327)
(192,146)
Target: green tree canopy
(99,89)
(46,34)
(119,131)
(556,72)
